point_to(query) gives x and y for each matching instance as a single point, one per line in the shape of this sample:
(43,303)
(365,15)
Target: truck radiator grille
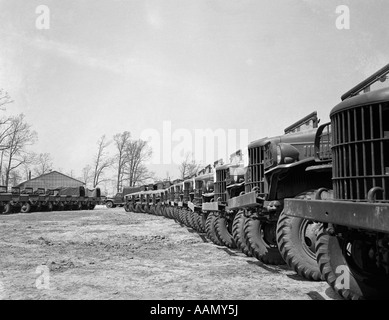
(361,152)
(186,195)
(221,185)
(198,195)
(255,172)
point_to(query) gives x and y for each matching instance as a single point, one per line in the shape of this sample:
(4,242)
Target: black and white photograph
(194,154)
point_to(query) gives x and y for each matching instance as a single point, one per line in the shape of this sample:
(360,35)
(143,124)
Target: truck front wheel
(261,236)
(109,204)
(224,232)
(353,265)
(7,209)
(201,221)
(296,238)
(238,233)
(26,208)
(210,227)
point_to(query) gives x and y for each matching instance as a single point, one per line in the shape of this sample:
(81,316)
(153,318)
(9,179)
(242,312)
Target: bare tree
(20,137)
(28,167)
(44,164)
(4,99)
(101,161)
(122,143)
(86,175)
(143,175)
(5,132)
(5,129)
(138,152)
(15,177)
(188,167)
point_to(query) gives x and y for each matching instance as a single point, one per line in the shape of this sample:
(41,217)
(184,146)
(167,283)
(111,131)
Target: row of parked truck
(28,200)
(315,197)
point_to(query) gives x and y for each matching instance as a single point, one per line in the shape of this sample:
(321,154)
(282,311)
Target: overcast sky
(104,66)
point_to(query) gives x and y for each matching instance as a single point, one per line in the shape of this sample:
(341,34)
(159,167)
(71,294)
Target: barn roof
(48,174)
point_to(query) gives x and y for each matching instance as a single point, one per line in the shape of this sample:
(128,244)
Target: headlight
(286,153)
(227,174)
(279,154)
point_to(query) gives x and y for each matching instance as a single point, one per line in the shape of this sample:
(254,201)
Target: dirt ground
(111,254)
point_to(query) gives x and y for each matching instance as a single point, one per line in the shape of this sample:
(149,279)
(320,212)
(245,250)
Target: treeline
(120,160)
(16,135)
(125,167)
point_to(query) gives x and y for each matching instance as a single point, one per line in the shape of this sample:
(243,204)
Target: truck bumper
(213,206)
(193,207)
(360,215)
(247,200)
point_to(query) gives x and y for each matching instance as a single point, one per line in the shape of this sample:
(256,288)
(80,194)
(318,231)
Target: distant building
(51,180)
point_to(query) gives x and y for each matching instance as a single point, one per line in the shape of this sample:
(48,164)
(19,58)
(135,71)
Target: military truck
(352,245)
(277,170)
(229,183)
(203,193)
(63,198)
(119,199)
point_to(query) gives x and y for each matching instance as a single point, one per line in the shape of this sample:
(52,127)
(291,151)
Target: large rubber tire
(109,204)
(7,209)
(146,209)
(186,218)
(238,233)
(261,237)
(152,210)
(158,210)
(296,239)
(210,227)
(169,212)
(202,220)
(175,213)
(138,208)
(50,206)
(336,258)
(196,220)
(164,211)
(224,232)
(191,219)
(127,207)
(180,216)
(25,208)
